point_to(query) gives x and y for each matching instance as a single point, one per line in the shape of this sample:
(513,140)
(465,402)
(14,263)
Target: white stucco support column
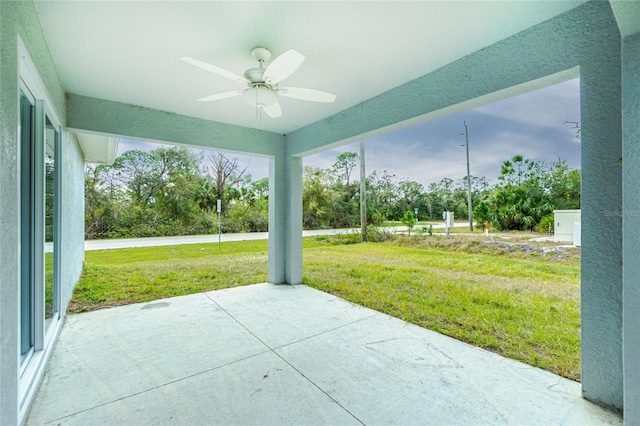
(602,211)
(285,218)
(631,226)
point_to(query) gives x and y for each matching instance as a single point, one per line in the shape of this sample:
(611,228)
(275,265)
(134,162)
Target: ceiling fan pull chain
(258,109)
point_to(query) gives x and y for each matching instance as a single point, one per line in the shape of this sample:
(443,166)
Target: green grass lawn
(521,305)
(124,276)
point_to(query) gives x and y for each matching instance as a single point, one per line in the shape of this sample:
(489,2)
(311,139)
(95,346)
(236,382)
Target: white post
(363,196)
(219,207)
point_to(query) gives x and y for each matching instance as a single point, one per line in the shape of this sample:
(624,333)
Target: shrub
(409,220)
(546,224)
(378,235)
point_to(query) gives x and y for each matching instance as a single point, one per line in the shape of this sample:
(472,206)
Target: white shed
(564,223)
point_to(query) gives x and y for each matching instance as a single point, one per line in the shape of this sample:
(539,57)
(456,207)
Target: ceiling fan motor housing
(254,75)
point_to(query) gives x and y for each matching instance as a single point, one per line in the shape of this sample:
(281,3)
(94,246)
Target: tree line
(168,191)
(173,191)
(524,197)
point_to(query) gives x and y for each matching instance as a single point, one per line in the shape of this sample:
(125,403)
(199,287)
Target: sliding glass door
(39,223)
(51,245)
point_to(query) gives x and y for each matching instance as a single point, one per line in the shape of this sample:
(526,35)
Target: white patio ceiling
(129,51)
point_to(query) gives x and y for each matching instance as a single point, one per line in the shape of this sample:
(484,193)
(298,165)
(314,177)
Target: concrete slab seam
(319,388)
(327,331)
(291,365)
(171,382)
(373,314)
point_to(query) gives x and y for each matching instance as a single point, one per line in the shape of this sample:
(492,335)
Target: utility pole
(466,137)
(363,197)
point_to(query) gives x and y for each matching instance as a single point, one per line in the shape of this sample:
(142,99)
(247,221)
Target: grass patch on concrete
(515,300)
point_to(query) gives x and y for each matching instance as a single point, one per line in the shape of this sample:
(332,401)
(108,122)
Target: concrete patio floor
(270,355)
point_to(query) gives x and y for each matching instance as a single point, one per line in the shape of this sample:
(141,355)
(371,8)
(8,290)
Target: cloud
(531,124)
(547,107)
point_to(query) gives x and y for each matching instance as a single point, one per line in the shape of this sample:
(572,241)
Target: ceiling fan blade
(216,70)
(283,66)
(305,94)
(223,95)
(273,111)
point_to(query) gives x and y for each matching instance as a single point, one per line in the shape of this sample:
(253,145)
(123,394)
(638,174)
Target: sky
(530,124)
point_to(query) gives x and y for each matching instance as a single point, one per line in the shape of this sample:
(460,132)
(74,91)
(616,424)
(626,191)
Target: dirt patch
(516,246)
(76,307)
(556,252)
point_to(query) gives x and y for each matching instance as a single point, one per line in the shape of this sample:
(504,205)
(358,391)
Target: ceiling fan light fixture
(259,96)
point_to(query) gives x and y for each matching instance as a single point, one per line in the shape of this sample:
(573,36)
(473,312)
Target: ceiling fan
(263,83)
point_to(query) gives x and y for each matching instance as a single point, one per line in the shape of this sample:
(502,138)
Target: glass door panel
(50,290)
(27,189)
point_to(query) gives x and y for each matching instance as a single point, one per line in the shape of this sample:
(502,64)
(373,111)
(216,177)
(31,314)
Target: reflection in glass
(51,137)
(26,208)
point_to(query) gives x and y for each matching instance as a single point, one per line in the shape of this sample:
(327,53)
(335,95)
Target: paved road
(199,239)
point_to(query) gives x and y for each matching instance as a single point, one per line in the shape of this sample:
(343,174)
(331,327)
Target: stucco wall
(631,223)
(277,218)
(601,194)
(17,19)
(118,119)
(72,205)
(285,218)
(8,218)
